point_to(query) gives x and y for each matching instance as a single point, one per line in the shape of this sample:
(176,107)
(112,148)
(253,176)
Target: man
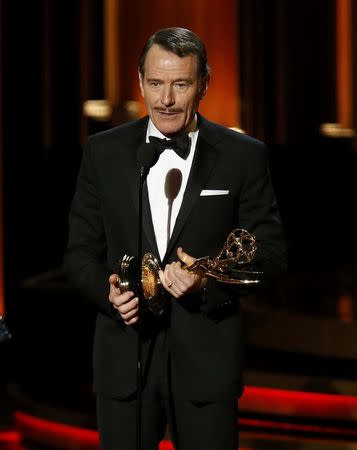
(192,353)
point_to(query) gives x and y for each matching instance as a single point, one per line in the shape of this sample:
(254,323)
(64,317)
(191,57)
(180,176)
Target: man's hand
(126,305)
(177,281)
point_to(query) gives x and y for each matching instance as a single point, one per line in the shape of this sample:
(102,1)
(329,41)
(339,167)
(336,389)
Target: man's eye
(181,86)
(154,84)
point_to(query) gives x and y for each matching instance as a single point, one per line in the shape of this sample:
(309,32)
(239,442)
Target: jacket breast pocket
(214,212)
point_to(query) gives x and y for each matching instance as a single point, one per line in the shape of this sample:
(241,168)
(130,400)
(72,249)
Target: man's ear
(204,85)
(141,83)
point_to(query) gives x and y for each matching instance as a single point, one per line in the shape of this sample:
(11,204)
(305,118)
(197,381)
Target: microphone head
(147,155)
(173,182)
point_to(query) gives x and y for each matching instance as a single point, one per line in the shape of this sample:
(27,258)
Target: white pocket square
(206,192)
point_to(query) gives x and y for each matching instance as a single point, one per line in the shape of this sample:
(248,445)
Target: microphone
(147,157)
(173,182)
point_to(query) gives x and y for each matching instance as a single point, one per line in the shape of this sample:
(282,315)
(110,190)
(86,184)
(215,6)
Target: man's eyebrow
(186,80)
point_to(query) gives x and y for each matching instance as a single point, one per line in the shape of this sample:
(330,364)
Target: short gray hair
(180,41)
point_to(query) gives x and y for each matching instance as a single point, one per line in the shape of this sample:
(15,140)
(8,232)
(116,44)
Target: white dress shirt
(166,184)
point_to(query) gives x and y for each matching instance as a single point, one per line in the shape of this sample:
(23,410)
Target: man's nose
(167,96)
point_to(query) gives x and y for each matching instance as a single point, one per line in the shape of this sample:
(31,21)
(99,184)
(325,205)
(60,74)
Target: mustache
(169,110)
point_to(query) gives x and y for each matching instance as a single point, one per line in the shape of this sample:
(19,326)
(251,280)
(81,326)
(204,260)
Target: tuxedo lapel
(203,164)
(132,173)
(148,226)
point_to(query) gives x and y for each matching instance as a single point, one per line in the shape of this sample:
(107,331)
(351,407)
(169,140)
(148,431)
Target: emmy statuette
(227,267)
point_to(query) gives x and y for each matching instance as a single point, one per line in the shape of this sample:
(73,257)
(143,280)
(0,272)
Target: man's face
(172,89)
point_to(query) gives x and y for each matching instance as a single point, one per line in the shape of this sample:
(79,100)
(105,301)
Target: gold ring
(170,284)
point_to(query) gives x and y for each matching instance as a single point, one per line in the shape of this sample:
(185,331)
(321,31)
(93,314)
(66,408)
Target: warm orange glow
(344,62)
(336,130)
(111,51)
(126,31)
(100,110)
(216,23)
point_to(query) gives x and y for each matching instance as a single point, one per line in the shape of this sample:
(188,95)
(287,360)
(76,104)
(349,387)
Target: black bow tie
(180,144)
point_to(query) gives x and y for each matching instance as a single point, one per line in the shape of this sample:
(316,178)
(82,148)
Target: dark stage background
(44,62)
(280,81)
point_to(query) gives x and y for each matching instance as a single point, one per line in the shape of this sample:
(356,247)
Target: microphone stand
(143,174)
(147,156)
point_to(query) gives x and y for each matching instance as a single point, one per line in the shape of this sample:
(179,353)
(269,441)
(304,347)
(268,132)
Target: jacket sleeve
(257,212)
(85,256)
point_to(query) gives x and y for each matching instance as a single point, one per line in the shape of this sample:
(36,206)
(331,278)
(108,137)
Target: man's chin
(169,129)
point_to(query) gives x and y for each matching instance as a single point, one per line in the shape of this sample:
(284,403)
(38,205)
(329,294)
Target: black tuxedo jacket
(204,336)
